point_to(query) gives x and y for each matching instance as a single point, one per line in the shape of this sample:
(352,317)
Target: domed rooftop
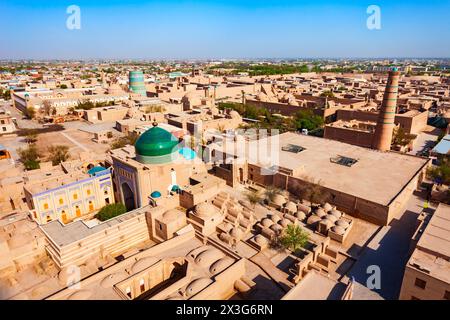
(342,223)
(143,263)
(335,213)
(197,285)
(207,257)
(330,217)
(266,222)
(338,229)
(320,212)
(205,210)
(327,207)
(156,145)
(155,194)
(195,252)
(276,228)
(279,200)
(275,218)
(300,215)
(285,222)
(172,215)
(236,232)
(312,220)
(291,206)
(220,265)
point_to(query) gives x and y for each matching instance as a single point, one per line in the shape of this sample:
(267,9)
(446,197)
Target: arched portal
(128,197)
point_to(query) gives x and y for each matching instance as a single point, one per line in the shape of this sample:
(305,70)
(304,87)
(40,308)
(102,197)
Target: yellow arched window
(64,216)
(45,206)
(75,196)
(91,206)
(61,201)
(77,211)
(88,191)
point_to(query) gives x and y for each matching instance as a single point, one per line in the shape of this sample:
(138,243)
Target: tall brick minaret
(382,138)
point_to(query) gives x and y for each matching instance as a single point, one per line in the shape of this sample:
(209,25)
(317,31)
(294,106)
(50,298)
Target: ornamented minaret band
(383,133)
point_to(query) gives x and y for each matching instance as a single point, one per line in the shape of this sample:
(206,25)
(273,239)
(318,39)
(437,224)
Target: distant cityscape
(225,179)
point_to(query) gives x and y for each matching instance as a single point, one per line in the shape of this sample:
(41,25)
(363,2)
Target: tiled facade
(72,200)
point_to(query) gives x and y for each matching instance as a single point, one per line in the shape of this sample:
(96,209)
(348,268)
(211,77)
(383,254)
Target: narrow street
(389,250)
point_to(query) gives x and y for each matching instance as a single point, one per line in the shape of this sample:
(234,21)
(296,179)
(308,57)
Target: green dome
(155,144)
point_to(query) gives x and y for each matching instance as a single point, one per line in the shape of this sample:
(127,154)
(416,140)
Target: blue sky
(223,29)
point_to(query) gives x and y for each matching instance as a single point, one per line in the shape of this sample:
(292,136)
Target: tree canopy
(440,173)
(306,119)
(294,238)
(303,119)
(110,211)
(29,157)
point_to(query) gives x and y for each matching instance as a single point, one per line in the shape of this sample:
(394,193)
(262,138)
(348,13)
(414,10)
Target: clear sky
(174,29)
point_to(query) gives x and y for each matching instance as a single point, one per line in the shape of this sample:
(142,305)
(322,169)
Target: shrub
(294,238)
(31,164)
(29,157)
(110,211)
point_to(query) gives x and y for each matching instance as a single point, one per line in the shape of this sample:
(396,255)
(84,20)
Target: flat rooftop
(432,253)
(315,286)
(38,186)
(376,176)
(62,234)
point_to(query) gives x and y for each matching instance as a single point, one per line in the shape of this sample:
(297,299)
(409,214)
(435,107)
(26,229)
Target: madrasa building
(159,171)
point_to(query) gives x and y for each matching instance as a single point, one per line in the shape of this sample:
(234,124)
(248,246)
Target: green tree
(316,69)
(110,211)
(440,173)
(85,105)
(63,86)
(306,119)
(58,154)
(327,93)
(29,157)
(294,238)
